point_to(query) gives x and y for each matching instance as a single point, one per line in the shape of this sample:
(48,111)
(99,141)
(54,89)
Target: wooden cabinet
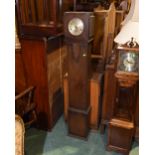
(41,17)
(39,25)
(42,60)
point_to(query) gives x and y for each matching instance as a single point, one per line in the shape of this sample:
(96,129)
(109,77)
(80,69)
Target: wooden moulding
(120,135)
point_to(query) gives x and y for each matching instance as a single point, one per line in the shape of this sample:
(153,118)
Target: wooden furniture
(42,17)
(109,93)
(127,77)
(110,97)
(120,15)
(26,107)
(120,134)
(136,113)
(103,35)
(109,29)
(42,60)
(20,79)
(96,83)
(78,29)
(122,122)
(96,94)
(40,28)
(107,25)
(19,135)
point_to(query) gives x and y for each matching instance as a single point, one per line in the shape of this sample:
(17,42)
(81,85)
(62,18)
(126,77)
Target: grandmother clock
(121,126)
(78,30)
(127,76)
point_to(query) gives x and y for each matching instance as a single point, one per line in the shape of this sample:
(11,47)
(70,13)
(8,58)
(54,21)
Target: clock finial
(131,43)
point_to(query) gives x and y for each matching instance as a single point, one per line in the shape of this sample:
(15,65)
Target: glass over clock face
(76,26)
(128,61)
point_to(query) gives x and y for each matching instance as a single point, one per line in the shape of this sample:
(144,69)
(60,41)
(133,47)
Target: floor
(57,142)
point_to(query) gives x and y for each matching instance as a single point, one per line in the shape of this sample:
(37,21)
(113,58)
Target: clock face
(128,61)
(76,26)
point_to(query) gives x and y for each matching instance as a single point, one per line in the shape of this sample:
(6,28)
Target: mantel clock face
(76,26)
(128,61)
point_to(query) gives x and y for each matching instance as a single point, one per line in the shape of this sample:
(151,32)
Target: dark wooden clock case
(119,110)
(79,74)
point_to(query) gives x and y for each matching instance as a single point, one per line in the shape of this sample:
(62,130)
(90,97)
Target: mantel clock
(78,30)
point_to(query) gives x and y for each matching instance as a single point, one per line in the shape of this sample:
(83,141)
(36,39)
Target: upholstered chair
(19,135)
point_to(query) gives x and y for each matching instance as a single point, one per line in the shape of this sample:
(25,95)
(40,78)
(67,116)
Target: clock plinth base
(78,123)
(120,135)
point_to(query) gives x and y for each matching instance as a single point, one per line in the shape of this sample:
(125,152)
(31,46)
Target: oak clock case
(127,75)
(78,30)
(125,100)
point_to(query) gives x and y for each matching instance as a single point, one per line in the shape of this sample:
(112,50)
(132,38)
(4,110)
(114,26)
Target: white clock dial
(76,26)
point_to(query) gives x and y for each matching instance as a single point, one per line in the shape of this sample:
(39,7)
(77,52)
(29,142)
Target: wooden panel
(64,60)
(106,18)
(66,97)
(95,99)
(109,93)
(54,72)
(109,31)
(78,84)
(34,55)
(44,71)
(98,30)
(81,128)
(67,5)
(137,117)
(20,77)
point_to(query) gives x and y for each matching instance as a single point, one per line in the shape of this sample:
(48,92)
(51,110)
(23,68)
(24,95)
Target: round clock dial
(76,26)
